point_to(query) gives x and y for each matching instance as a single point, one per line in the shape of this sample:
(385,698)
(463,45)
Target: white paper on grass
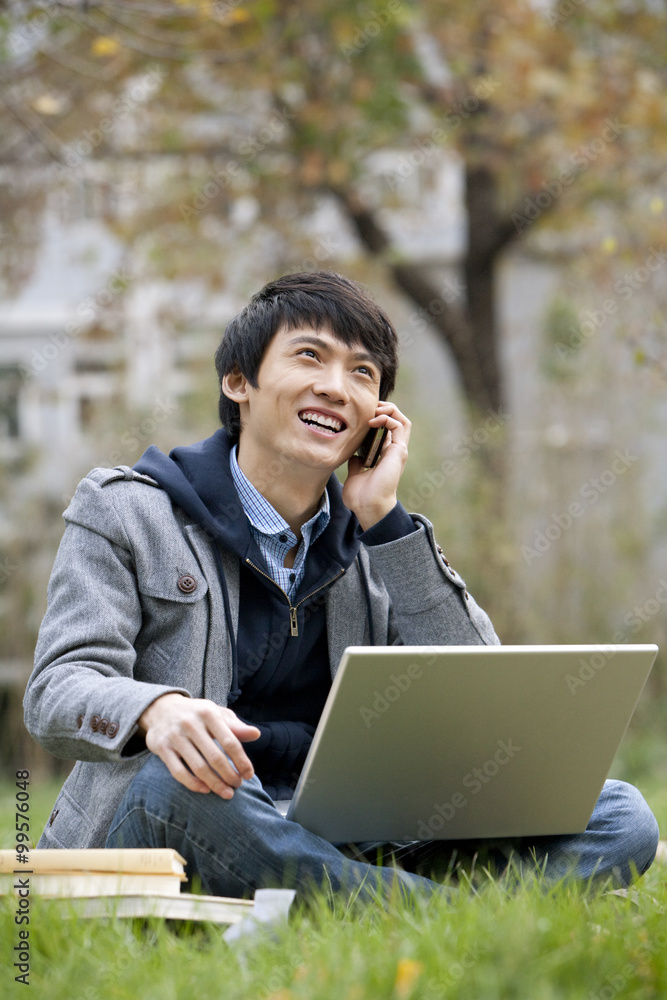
(271,906)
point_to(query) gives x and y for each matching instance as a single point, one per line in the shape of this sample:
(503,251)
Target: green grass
(531,943)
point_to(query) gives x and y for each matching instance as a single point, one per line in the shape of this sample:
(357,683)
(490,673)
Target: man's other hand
(185,732)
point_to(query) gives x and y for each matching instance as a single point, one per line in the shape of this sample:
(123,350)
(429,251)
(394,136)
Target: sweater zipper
(294,627)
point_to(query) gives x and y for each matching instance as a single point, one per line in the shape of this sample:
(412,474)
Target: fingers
(184,775)
(388,415)
(398,426)
(392,410)
(200,743)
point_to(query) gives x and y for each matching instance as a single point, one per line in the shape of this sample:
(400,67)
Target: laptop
(460,742)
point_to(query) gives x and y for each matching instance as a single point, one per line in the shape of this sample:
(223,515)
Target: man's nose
(332,382)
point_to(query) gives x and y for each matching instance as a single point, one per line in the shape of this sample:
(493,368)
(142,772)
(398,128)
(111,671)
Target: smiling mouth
(323,422)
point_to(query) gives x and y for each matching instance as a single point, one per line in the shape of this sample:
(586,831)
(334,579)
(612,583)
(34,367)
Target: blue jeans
(242,844)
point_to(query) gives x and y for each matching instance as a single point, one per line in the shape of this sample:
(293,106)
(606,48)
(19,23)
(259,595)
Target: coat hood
(198,478)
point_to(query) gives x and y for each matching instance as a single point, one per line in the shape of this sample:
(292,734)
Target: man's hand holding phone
(371,447)
(370,492)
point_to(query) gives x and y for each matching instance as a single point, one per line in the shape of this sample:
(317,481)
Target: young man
(200,603)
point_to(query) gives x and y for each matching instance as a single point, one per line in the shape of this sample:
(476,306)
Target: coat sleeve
(429,602)
(82,700)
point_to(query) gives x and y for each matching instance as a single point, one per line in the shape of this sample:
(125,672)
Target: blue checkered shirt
(272,532)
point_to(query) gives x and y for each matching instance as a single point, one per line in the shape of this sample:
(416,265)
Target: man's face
(314,399)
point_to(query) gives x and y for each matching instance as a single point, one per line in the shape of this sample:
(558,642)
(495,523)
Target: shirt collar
(264,517)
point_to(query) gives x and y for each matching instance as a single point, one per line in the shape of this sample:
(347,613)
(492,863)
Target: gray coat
(118,631)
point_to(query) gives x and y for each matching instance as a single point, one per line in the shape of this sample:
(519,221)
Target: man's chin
(327,464)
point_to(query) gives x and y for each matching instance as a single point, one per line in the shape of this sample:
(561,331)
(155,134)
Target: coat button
(102,728)
(94,723)
(186,583)
(79,721)
(112,729)
(53,816)
(442,555)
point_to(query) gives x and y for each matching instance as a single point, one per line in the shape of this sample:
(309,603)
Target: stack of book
(124,882)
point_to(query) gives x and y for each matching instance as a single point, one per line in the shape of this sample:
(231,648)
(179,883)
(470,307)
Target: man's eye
(308,352)
(365,370)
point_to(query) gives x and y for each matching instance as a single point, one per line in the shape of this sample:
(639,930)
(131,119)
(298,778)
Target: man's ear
(235,386)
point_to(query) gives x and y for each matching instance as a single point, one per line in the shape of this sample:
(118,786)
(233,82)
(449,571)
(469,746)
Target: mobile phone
(371,446)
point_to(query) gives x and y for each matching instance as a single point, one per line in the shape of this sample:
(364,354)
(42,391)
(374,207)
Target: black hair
(322,300)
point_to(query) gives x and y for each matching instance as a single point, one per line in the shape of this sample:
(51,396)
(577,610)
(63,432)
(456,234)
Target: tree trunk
(479,268)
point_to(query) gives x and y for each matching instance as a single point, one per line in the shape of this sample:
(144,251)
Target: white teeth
(323,421)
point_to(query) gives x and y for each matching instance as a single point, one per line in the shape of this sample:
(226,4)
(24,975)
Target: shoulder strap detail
(105,476)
